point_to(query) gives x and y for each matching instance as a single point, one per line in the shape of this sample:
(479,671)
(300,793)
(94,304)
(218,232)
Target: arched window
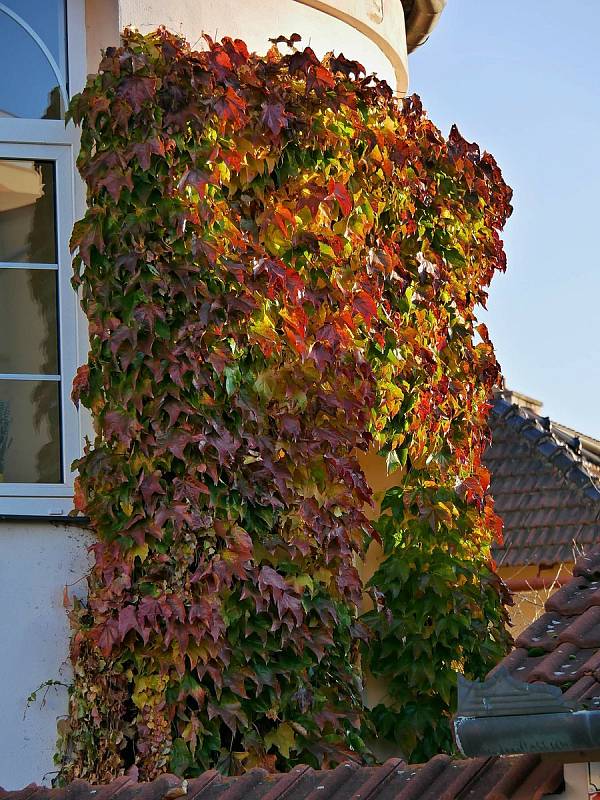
(33,59)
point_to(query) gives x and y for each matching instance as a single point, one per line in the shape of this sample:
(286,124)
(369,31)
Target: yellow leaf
(322,575)
(283,737)
(140,550)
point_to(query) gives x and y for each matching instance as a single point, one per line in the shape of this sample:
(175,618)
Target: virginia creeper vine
(280,264)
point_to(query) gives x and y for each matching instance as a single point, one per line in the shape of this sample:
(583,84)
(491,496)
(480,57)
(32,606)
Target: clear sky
(522,79)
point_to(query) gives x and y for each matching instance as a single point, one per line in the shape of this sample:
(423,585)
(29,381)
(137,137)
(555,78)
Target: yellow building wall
(529,605)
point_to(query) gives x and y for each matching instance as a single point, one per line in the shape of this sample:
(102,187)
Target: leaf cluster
(280,265)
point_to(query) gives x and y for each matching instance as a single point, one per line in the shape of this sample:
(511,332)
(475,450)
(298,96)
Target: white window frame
(52,140)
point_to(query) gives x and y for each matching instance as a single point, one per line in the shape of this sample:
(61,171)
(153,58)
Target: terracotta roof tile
(441,778)
(562,647)
(543,633)
(574,597)
(545,485)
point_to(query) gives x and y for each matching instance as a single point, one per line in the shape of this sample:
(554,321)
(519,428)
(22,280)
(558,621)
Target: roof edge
(421,20)
(539,432)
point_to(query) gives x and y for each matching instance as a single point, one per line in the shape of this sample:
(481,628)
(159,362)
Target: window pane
(27,212)
(30,432)
(29,85)
(28,321)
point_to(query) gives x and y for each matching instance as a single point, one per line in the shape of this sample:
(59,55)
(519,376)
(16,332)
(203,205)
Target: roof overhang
(421,18)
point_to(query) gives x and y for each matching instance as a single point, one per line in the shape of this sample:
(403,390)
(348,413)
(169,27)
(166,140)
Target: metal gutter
(504,716)
(531,733)
(421,19)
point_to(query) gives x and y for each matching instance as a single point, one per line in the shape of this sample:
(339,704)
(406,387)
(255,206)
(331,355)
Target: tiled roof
(545,482)
(562,647)
(440,779)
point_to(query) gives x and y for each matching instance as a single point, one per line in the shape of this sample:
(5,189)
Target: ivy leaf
(127,621)
(289,40)
(274,116)
(365,305)
(302,61)
(230,106)
(283,738)
(115,182)
(80,383)
(137,90)
(339,192)
(107,636)
(122,427)
(180,759)
(151,486)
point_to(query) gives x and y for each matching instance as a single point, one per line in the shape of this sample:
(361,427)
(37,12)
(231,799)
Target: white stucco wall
(36,561)
(365,30)
(576,783)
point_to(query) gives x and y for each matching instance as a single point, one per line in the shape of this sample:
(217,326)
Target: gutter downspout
(422,19)
(503,716)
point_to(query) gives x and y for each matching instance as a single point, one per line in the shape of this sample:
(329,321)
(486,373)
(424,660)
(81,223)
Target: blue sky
(522,78)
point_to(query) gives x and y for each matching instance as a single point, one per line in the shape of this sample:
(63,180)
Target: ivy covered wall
(280,264)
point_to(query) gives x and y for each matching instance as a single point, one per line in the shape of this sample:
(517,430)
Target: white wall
(36,561)
(377,39)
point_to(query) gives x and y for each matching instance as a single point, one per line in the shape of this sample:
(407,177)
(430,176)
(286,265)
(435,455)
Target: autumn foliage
(280,265)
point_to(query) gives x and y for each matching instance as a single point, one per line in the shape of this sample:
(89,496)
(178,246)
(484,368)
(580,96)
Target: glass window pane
(30,432)
(27,212)
(29,85)
(28,321)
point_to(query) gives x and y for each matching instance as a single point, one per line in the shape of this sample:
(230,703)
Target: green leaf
(180,759)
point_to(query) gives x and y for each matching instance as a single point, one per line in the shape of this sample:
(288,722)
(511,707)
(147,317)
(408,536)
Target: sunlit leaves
(280,265)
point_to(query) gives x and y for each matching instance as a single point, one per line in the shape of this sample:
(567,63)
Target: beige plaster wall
(529,605)
(37,560)
(366,30)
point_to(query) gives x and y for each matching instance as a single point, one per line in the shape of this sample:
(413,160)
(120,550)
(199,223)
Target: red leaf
(189,489)
(120,426)
(150,610)
(346,67)
(226,446)
(196,178)
(177,442)
(302,62)
(292,603)
(274,117)
(320,79)
(151,486)
(290,41)
(365,305)
(80,383)
(269,578)
(143,151)
(339,192)
(281,215)
(137,91)
(229,713)
(115,182)
(230,106)
(106,636)
(127,621)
